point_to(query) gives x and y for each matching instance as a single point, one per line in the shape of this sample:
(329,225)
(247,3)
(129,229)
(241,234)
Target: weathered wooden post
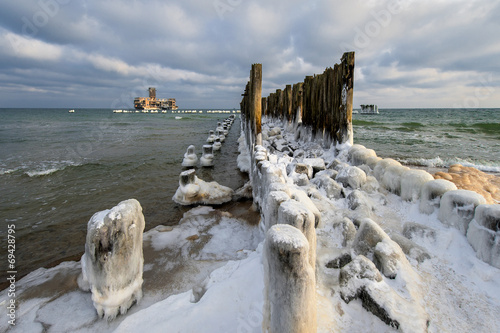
(287,103)
(256,101)
(290,282)
(297,102)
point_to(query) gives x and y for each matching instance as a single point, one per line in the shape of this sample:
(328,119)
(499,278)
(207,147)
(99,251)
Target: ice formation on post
(290,282)
(217,144)
(359,155)
(190,158)
(296,214)
(484,234)
(112,264)
(412,182)
(457,208)
(193,190)
(211,137)
(207,159)
(431,193)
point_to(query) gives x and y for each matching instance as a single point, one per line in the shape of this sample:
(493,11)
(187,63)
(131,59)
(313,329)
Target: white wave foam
(437,162)
(39,173)
(7,171)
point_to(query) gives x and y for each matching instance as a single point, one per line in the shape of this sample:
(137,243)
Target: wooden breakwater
(319,109)
(321,105)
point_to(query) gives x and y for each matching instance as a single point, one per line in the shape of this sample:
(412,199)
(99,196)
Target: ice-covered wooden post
(112,264)
(290,282)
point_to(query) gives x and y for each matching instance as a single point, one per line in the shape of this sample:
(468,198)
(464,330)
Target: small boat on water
(177,117)
(117,111)
(71,111)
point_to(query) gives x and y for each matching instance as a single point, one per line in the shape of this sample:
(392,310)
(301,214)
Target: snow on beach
(206,274)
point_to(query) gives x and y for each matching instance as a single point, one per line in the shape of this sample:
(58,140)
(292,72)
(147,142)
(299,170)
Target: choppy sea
(58,168)
(433,137)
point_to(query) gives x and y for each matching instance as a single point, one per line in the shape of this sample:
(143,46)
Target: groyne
(302,164)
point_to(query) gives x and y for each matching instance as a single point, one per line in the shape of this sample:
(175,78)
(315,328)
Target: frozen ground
(206,275)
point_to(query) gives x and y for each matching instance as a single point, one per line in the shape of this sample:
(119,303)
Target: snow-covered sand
(206,274)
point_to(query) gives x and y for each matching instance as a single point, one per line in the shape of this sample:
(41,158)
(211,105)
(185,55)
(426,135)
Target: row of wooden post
(322,103)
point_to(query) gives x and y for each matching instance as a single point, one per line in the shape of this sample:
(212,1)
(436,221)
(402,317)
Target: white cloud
(29,48)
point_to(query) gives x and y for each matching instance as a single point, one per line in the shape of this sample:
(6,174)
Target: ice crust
(190,158)
(112,264)
(457,208)
(197,191)
(431,193)
(484,234)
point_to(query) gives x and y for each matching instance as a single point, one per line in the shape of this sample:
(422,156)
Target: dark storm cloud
(92,53)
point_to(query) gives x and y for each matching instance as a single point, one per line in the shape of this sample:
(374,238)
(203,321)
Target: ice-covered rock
(412,182)
(410,248)
(207,159)
(388,257)
(337,165)
(317,164)
(431,193)
(345,227)
(328,173)
(193,190)
(401,309)
(332,189)
(351,176)
(281,145)
(112,264)
(368,235)
(190,158)
(358,199)
(274,131)
(359,268)
(296,214)
(413,230)
(299,168)
(457,208)
(484,234)
(290,282)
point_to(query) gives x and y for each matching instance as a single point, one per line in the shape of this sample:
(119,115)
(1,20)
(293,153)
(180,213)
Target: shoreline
(171,274)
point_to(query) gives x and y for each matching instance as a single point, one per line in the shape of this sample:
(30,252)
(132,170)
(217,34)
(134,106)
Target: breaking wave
(437,162)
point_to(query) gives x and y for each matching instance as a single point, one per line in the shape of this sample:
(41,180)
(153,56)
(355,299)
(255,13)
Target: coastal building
(369,109)
(153,103)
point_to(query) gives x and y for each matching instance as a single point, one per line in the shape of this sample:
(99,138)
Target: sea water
(433,137)
(57,168)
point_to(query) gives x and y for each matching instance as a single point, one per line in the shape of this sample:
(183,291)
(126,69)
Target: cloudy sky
(90,53)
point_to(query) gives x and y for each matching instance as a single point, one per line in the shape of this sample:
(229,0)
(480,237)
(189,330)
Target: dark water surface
(58,168)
